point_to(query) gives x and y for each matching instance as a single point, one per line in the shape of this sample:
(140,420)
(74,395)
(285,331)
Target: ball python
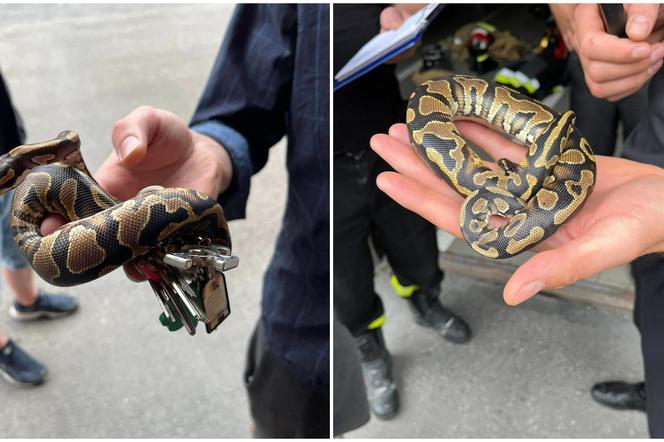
(535,196)
(101,233)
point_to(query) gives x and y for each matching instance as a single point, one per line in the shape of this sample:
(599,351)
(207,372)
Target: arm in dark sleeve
(246,99)
(646,142)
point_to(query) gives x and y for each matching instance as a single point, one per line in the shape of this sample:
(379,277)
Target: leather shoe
(429,312)
(620,395)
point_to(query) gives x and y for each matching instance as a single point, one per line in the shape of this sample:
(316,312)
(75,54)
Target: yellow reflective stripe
(482,57)
(379,321)
(486,26)
(403,291)
(530,87)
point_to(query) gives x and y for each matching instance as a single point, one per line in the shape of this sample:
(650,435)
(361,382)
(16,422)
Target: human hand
(564,16)
(392,18)
(622,219)
(155,147)
(617,67)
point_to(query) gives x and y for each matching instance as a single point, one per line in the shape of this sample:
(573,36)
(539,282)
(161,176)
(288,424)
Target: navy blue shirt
(270,79)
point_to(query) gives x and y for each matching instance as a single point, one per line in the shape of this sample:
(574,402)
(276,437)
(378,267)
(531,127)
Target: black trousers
(362,211)
(351,407)
(598,119)
(648,274)
(281,404)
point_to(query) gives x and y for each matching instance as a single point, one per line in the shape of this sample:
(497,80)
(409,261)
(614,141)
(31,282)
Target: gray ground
(114,371)
(526,373)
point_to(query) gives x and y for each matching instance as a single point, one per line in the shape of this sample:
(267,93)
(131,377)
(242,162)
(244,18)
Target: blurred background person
(362,213)
(30,303)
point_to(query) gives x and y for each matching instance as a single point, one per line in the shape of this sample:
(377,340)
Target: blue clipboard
(379,61)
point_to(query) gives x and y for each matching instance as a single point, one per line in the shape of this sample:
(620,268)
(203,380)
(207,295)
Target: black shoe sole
(420,321)
(18,315)
(619,407)
(615,406)
(18,383)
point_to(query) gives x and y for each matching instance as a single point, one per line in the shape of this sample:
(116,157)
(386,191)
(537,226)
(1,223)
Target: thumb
(564,265)
(390,18)
(641,20)
(132,133)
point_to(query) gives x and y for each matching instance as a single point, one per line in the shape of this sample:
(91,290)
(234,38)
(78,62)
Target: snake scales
(101,233)
(536,196)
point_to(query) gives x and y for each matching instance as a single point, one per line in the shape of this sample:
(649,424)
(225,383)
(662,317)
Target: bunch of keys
(190,285)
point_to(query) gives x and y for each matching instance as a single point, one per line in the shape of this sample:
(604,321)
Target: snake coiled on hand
(536,196)
(101,233)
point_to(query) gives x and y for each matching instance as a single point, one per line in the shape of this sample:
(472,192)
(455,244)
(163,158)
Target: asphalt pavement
(527,372)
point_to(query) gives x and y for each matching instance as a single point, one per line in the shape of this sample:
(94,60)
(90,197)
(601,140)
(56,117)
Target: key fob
(215,301)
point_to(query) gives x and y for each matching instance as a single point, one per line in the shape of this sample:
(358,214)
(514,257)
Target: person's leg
(282,404)
(355,301)
(596,119)
(356,304)
(648,273)
(16,365)
(351,409)
(21,284)
(409,241)
(29,303)
(632,108)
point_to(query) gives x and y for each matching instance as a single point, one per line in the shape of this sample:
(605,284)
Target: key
(185,293)
(190,284)
(188,321)
(205,265)
(167,297)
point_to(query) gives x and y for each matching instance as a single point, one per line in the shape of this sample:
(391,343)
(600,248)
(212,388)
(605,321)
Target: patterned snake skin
(101,233)
(536,196)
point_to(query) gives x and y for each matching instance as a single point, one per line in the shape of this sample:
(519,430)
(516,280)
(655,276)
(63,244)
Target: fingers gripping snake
(536,196)
(102,233)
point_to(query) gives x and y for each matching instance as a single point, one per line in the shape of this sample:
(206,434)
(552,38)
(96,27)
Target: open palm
(622,219)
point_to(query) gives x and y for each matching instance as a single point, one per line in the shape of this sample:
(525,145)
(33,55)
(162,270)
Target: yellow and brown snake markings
(101,233)
(536,196)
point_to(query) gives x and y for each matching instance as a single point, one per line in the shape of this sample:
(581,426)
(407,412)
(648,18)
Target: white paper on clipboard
(386,45)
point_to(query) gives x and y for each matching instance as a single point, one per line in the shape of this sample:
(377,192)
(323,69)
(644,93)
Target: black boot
(377,371)
(620,395)
(429,312)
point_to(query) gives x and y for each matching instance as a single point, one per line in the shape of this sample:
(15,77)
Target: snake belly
(536,196)
(101,233)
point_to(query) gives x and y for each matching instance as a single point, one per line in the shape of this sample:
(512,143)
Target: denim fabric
(12,258)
